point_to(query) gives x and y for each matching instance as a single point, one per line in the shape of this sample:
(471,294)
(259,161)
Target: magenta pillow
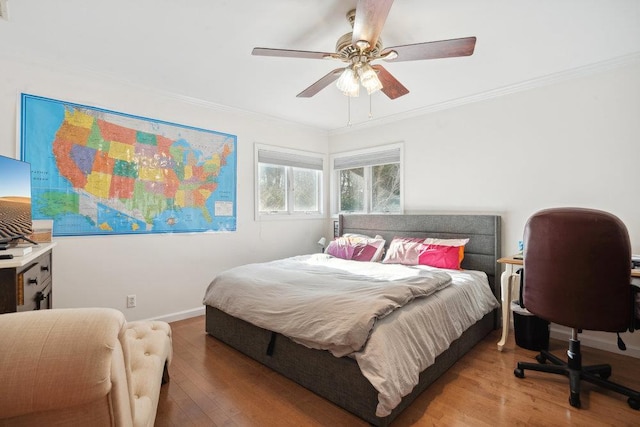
(357,248)
(440,256)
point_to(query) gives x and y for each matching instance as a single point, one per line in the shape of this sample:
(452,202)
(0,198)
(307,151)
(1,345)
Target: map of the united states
(125,175)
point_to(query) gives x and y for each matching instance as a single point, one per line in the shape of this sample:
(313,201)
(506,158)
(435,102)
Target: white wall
(572,143)
(167,272)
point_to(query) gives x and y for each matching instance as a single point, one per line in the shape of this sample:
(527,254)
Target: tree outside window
(369,181)
(385,188)
(288,182)
(306,188)
(272,188)
(352,190)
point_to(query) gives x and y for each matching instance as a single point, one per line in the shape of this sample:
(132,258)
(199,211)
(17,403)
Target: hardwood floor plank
(215,385)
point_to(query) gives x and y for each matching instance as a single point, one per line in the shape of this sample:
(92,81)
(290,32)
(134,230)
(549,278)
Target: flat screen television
(15,200)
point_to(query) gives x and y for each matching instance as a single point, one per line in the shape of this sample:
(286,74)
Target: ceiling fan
(363,45)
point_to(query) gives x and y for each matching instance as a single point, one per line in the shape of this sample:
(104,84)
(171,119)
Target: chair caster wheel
(541,359)
(634,403)
(518,373)
(574,400)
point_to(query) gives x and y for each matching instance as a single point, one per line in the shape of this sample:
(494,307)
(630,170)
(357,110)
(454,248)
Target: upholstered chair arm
(53,362)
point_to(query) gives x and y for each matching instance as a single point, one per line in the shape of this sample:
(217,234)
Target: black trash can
(531,331)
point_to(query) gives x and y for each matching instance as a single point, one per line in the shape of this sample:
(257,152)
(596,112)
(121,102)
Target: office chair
(578,274)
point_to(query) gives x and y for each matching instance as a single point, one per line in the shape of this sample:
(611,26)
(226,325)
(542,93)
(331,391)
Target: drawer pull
(39,298)
(44,268)
(33,281)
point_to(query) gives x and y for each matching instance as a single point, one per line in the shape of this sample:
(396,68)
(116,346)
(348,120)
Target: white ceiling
(201,49)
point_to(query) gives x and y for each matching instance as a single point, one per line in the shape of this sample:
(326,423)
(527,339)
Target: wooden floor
(214,385)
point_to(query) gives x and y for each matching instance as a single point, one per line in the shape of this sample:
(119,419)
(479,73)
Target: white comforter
(391,346)
(408,341)
(320,301)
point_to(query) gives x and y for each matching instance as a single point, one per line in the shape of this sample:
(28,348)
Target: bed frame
(339,379)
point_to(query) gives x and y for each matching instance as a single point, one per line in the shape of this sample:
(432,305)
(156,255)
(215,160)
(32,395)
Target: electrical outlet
(131,301)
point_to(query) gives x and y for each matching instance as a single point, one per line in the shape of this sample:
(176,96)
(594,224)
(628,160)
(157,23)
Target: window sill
(286,216)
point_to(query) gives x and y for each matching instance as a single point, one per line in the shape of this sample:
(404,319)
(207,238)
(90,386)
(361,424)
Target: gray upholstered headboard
(483,231)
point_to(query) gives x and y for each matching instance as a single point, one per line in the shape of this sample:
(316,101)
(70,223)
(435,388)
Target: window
(289,182)
(368,181)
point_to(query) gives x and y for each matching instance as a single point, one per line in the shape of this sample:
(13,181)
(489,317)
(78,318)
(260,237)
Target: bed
(340,379)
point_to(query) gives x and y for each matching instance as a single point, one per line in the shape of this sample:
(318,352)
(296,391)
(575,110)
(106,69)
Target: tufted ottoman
(147,350)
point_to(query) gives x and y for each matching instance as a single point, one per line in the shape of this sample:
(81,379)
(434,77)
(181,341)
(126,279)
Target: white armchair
(83,366)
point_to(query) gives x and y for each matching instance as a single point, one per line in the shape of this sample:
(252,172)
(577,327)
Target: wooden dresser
(26,281)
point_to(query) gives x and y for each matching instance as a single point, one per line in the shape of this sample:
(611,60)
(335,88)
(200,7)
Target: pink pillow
(356,247)
(441,253)
(403,250)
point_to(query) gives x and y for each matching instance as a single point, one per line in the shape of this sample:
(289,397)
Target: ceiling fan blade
(369,20)
(321,84)
(390,85)
(286,53)
(431,50)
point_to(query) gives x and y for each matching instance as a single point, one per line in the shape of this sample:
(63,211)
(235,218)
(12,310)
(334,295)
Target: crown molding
(549,79)
(84,71)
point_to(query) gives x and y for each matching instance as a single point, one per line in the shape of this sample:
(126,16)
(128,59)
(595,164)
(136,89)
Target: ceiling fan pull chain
(348,111)
(370,113)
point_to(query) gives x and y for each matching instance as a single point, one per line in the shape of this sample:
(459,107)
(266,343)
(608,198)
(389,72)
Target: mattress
(404,340)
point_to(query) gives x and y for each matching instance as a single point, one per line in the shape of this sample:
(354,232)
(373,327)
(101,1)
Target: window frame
(363,158)
(289,159)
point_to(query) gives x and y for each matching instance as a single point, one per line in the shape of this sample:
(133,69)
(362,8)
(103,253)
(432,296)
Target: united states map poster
(101,172)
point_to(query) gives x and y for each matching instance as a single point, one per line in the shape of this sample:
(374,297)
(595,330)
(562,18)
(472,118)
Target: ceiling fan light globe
(373,86)
(348,83)
(369,78)
(366,72)
(354,92)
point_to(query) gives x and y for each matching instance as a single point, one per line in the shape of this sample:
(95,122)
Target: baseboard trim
(596,342)
(181,315)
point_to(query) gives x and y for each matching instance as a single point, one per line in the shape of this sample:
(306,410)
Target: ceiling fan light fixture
(362,46)
(369,78)
(389,56)
(348,83)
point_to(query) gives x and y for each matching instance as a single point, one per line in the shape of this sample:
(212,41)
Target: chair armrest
(54,359)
